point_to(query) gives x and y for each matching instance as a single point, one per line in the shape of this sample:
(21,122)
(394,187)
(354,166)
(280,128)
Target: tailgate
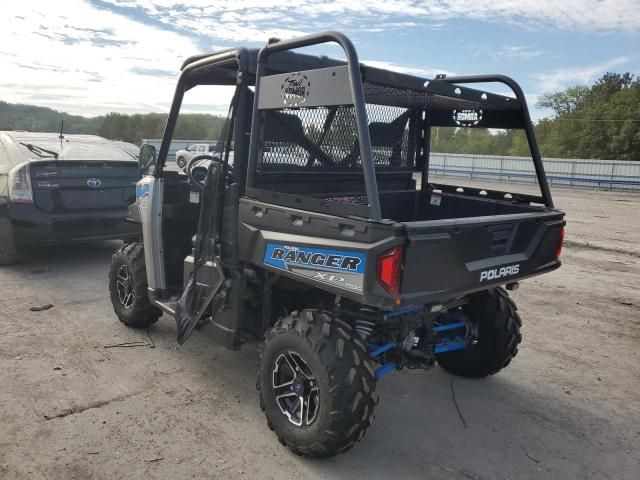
(460,255)
(79,186)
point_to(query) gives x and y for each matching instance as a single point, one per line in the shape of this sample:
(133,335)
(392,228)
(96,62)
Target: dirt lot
(568,407)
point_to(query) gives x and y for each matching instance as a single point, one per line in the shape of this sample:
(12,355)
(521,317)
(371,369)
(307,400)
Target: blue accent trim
(457,343)
(385,368)
(450,326)
(142,189)
(402,311)
(384,348)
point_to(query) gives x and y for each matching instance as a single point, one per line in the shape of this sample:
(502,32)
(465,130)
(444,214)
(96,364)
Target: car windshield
(71,148)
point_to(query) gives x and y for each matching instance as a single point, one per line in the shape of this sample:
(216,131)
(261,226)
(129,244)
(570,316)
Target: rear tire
(128,288)
(9,257)
(498,336)
(181,162)
(337,366)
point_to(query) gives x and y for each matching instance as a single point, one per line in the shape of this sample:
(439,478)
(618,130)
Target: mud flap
(186,321)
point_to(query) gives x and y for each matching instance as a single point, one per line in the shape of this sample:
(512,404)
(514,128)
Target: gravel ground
(567,407)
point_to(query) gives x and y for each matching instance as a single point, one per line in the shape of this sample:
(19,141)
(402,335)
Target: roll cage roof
(440,95)
(447,99)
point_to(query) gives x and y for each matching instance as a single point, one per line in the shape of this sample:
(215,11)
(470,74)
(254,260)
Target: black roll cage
(246,67)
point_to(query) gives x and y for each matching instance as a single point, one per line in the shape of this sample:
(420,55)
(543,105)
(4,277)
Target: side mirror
(148,157)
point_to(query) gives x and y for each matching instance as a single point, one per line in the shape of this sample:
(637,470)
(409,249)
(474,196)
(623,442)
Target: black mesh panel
(326,139)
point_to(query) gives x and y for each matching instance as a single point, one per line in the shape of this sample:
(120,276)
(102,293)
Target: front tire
(314,356)
(181,162)
(498,336)
(128,288)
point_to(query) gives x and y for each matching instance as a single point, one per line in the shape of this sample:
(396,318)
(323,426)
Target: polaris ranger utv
(316,232)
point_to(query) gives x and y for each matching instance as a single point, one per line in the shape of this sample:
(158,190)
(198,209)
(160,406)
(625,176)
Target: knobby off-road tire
(498,336)
(344,375)
(128,287)
(9,257)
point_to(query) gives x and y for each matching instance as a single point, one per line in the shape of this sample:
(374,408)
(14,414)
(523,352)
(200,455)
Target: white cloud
(558,79)
(575,14)
(95,56)
(520,52)
(425,72)
(89,67)
(242,15)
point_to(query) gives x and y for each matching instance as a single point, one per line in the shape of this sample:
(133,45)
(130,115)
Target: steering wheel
(197,179)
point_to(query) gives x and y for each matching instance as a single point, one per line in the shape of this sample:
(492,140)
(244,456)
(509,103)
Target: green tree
(114,126)
(605,123)
(608,85)
(597,121)
(565,102)
(152,125)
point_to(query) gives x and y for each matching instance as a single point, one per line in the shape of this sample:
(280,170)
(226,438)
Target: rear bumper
(25,226)
(446,295)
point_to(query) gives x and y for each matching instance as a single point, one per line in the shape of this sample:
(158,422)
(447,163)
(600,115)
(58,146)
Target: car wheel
(128,288)
(499,324)
(317,384)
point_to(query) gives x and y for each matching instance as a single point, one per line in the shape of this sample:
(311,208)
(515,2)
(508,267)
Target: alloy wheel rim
(124,287)
(295,388)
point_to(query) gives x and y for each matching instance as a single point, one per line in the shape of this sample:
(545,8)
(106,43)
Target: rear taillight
(560,242)
(389,266)
(20,184)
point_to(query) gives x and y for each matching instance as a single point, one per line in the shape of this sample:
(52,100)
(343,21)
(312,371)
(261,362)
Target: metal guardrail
(585,173)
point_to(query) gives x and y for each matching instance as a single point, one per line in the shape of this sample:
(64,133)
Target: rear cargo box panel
(473,254)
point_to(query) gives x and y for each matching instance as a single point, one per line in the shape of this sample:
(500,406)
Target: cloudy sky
(95,56)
